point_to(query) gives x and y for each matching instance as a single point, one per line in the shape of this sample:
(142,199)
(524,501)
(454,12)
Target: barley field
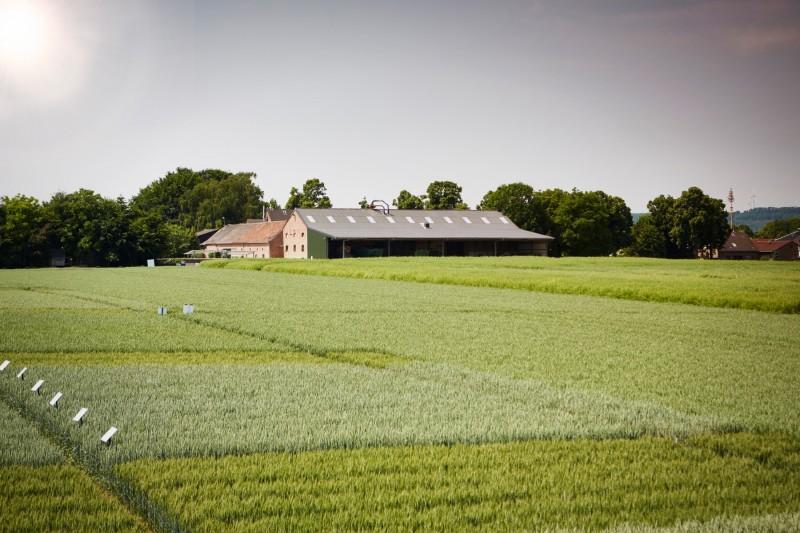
(324,395)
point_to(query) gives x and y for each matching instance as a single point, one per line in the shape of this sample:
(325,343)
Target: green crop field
(509,393)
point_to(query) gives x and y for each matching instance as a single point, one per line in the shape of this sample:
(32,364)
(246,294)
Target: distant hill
(755,218)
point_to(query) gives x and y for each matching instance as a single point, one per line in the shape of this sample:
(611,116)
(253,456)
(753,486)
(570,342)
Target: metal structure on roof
(414,224)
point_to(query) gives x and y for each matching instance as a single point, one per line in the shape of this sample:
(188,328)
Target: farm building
(738,246)
(777,248)
(262,239)
(333,233)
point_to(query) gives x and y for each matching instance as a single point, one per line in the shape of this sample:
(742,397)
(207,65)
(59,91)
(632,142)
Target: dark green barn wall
(317,245)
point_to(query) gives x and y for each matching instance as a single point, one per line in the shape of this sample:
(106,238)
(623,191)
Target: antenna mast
(730,204)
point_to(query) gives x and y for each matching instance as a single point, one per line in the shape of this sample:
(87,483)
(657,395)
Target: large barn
(334,233)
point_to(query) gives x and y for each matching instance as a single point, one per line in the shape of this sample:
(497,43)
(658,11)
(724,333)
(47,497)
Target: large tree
(314,194)
(406,200)
(23,238)
(519,202)
(444,195)
(648,239)
(590,223)
(201,199)
(91,229)
(692,224)
(699,223)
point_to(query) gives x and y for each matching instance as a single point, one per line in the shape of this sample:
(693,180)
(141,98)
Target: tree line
(161,220)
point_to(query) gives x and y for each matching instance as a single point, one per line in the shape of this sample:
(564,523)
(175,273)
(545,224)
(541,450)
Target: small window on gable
(448,220)
(410,220)
(465,219)
(311,219)
(302,233)
(351,219)
(302,247)
(504,220)
(371,220)
(331,219)
(390,219)
(485,220)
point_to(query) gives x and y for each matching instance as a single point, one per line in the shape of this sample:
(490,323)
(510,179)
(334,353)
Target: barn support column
(344,242)
(389,248)
(442,247)
(495,248)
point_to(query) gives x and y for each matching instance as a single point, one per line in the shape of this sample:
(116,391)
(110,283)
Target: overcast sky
(636,98)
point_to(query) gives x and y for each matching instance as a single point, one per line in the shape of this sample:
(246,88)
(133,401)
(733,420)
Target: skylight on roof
(331,219)
(465,219)
(390,219)
(448,220)
(351,219)
(371,220)
(485,220)
(311,219)
(410,220)
(504,220)
(429,220)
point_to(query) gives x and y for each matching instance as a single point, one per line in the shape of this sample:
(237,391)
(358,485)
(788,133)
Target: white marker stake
(37,386)
(4,364)
(54,401)
(21,374)
(106,438)
(79,417)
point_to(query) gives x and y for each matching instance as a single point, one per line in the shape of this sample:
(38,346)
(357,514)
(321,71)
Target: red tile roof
(253,233)
(769,245)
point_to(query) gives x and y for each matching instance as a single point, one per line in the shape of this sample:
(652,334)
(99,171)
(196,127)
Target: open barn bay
(299,401)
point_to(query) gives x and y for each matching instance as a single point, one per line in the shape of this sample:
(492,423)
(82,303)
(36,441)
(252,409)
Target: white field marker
(4,364)
(79,417)
(37,386)
(54,401)
(21,374)
(106,438)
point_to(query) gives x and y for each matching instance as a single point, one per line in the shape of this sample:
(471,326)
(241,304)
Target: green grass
(765,286)
(516,486)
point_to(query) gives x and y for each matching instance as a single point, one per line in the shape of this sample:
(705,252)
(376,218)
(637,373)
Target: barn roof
(411,224)
(738,241)
(770,245)
(248,233)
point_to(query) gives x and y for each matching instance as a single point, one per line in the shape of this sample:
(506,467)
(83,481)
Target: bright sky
(637,98)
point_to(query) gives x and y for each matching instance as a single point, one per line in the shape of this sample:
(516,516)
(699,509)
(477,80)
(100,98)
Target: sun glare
(23,33)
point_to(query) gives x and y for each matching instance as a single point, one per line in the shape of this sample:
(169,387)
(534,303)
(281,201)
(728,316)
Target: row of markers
(78,418)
